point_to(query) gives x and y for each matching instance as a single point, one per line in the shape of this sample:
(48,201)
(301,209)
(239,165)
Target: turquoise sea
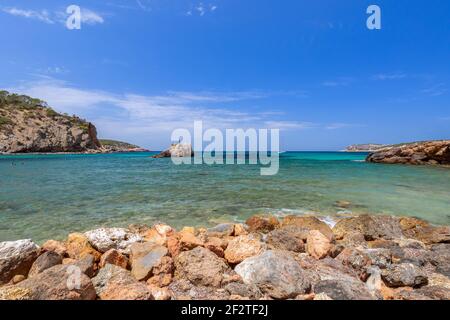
(49,196)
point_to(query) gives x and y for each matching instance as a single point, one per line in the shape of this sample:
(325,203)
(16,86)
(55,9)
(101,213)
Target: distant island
(29,125)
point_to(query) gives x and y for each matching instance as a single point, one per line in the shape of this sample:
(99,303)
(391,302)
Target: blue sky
(139,69)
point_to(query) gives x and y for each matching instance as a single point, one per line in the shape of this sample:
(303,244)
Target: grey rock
(404,275)
(16,257)
(44,261)
(275,273)
(343,290)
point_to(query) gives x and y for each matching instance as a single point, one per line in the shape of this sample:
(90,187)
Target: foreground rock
(16,258)
(275,273)
(362,258)
(201,267)
(429,152)
(104,239)
(116,283)
(61,282)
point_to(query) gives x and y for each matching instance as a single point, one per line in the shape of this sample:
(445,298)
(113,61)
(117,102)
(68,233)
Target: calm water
(49,196)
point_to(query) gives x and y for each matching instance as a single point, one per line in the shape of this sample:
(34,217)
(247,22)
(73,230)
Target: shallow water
(49,196)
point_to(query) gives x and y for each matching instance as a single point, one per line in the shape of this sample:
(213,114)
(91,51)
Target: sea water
(48,196)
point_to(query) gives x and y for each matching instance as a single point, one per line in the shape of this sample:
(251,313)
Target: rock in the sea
(78,246)
(343,290)
(262,223)
(16,257)
(144,257)
(372,227)
(116,283)
(201,267)
(275,273)
(44,261)
(404,275)
(177,150)
(317,244)
(104,239)
(60,282)
(308,223)
(243,247)
(288,238)
(428,152)
(114,257)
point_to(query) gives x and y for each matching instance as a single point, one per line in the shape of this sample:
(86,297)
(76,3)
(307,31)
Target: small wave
(328,219)
(358,160)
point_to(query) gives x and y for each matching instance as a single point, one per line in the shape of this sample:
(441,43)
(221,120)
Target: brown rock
(61,282)
(182,241)
(114,257)
(290,238)
(159,234)
(115,283)
(355,259)
(44,261)
(309,223)
(262,223)
(160,280)
(159,293)
(240,230)
(144,257)
(78,246)
(372,227)
(18,278)
(243,247)
(201,267)
(216,245)
(420,230)
(317,244)
(55,246)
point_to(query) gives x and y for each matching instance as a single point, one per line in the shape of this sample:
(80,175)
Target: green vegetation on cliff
(118,144)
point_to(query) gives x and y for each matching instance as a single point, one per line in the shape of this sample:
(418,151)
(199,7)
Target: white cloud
(341,125)
(339,82)
(143,118)
(42,15)
(389,76)
(88,16)
(436,90)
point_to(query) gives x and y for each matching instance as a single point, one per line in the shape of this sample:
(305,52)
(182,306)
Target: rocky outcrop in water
(177,150)
(360,258)
(365,147)
(417,153)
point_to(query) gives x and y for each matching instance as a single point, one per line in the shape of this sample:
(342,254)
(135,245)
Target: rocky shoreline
(297,257)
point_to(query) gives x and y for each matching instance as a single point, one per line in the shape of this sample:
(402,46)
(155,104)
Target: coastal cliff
(29,125)
(417,153)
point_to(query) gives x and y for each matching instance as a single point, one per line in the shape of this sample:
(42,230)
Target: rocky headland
(29,125)
(369,147)
(416,153)
(297,257)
